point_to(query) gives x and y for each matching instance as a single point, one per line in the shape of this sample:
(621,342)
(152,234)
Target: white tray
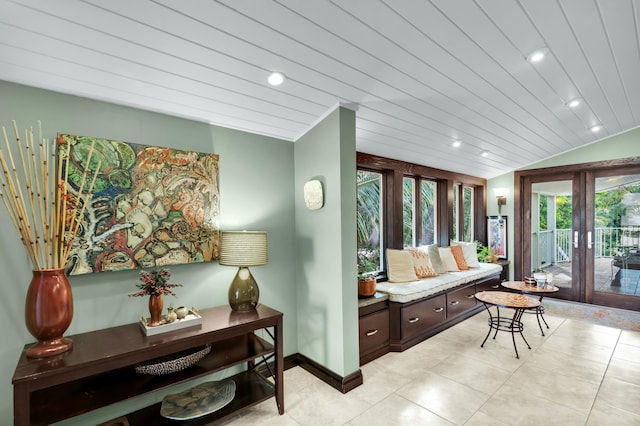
(191,320)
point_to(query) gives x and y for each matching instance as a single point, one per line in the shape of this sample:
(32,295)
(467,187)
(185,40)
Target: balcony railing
(555,246)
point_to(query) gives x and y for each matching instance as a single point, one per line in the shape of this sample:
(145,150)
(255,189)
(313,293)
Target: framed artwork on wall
(151,206)
(497,235)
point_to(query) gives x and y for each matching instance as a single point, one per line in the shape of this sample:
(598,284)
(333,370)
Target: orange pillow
(458,255)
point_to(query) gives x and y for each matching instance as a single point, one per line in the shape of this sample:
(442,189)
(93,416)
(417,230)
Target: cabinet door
(374,331)
(422,315)
(459,301)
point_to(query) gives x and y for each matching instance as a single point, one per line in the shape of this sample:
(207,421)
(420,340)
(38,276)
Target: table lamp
(243,249)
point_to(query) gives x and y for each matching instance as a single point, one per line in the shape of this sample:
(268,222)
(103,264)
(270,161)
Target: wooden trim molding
(343,384)
(382,163)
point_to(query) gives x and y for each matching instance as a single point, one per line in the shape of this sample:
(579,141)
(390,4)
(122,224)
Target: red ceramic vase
(48,312)
(155,309)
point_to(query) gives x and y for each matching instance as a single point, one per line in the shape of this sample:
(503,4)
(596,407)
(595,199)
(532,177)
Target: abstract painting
(151,206)
(497,235)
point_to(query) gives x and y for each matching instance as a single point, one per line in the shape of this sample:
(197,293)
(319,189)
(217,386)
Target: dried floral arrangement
(43,208)
(155,283)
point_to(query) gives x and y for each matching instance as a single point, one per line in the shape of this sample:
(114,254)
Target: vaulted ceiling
(420,74)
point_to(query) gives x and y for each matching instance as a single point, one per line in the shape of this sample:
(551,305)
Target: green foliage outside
(608,210)
(369,217)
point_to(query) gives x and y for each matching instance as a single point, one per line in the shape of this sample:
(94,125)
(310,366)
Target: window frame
(394,172)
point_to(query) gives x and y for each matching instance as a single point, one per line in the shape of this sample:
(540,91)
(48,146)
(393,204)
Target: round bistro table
(502,299)
(525,288)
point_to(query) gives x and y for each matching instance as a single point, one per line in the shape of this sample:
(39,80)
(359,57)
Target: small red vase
(155,309)
(48,312)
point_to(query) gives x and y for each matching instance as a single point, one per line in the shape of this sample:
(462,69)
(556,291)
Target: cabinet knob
(438,309)
(470,296)
(454,302)
(414,320)
(371,333)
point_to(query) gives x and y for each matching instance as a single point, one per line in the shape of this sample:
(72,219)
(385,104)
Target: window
(467,207)
(456,210)
(428,208)
(408,212)
(369,217)
(403,204)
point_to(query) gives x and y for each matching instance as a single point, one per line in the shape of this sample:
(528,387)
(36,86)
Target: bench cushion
(413,290)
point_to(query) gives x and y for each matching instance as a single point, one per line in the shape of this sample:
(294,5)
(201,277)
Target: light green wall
(623,145)
(620,146)
(326,242)
(256,192)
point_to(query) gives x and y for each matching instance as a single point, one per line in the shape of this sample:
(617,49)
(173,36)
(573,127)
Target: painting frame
(497,235)
(151,206)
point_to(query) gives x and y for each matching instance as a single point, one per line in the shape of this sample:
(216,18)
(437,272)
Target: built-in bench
(414,290)
(420,309)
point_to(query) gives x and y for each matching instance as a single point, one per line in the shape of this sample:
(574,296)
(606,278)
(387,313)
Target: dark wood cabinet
(100,371)
(461,300)
(374,334)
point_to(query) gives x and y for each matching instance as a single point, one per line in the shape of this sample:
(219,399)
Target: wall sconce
(243,249)
(501,196)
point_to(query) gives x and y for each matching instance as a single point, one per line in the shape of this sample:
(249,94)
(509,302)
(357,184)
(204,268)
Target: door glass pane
(551,229)
(617,234)
(428,212)
(369,213)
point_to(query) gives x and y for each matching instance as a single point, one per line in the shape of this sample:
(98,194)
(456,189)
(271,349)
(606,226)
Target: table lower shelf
(100,390)
(251,389)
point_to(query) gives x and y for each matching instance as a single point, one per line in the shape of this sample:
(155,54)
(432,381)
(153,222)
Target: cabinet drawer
(491,284)
(459,301)
(374,330)
(422,315)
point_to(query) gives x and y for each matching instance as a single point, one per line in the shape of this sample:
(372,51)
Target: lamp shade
(243,248)
(500,192)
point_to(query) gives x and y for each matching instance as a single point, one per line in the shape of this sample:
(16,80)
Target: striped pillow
(448,259)
(458,255)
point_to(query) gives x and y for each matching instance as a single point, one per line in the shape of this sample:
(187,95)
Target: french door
(582,225)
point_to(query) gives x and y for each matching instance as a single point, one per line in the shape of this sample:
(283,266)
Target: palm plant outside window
(408,212)
(428,207)
(369,221)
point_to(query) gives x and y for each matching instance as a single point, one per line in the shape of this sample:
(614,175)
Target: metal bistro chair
(621,261)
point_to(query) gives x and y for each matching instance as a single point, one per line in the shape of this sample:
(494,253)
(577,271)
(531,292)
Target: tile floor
(580,373)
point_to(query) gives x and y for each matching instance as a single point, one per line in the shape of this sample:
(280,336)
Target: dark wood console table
(99,370)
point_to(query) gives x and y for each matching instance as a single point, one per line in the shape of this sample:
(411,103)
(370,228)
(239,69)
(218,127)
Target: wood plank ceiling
(420,74)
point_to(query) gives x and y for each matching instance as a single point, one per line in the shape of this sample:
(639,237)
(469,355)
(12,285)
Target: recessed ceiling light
(456,144)
(276,78)
(537,55)
(485,153)
(595,128)
(574,102)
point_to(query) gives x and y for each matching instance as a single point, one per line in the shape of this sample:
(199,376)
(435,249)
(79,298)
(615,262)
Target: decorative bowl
(174,362)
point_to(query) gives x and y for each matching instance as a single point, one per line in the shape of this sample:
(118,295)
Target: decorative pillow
(456,251)
(470,253)
(434,257)
(400,266)
(421,263)
(448,259)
